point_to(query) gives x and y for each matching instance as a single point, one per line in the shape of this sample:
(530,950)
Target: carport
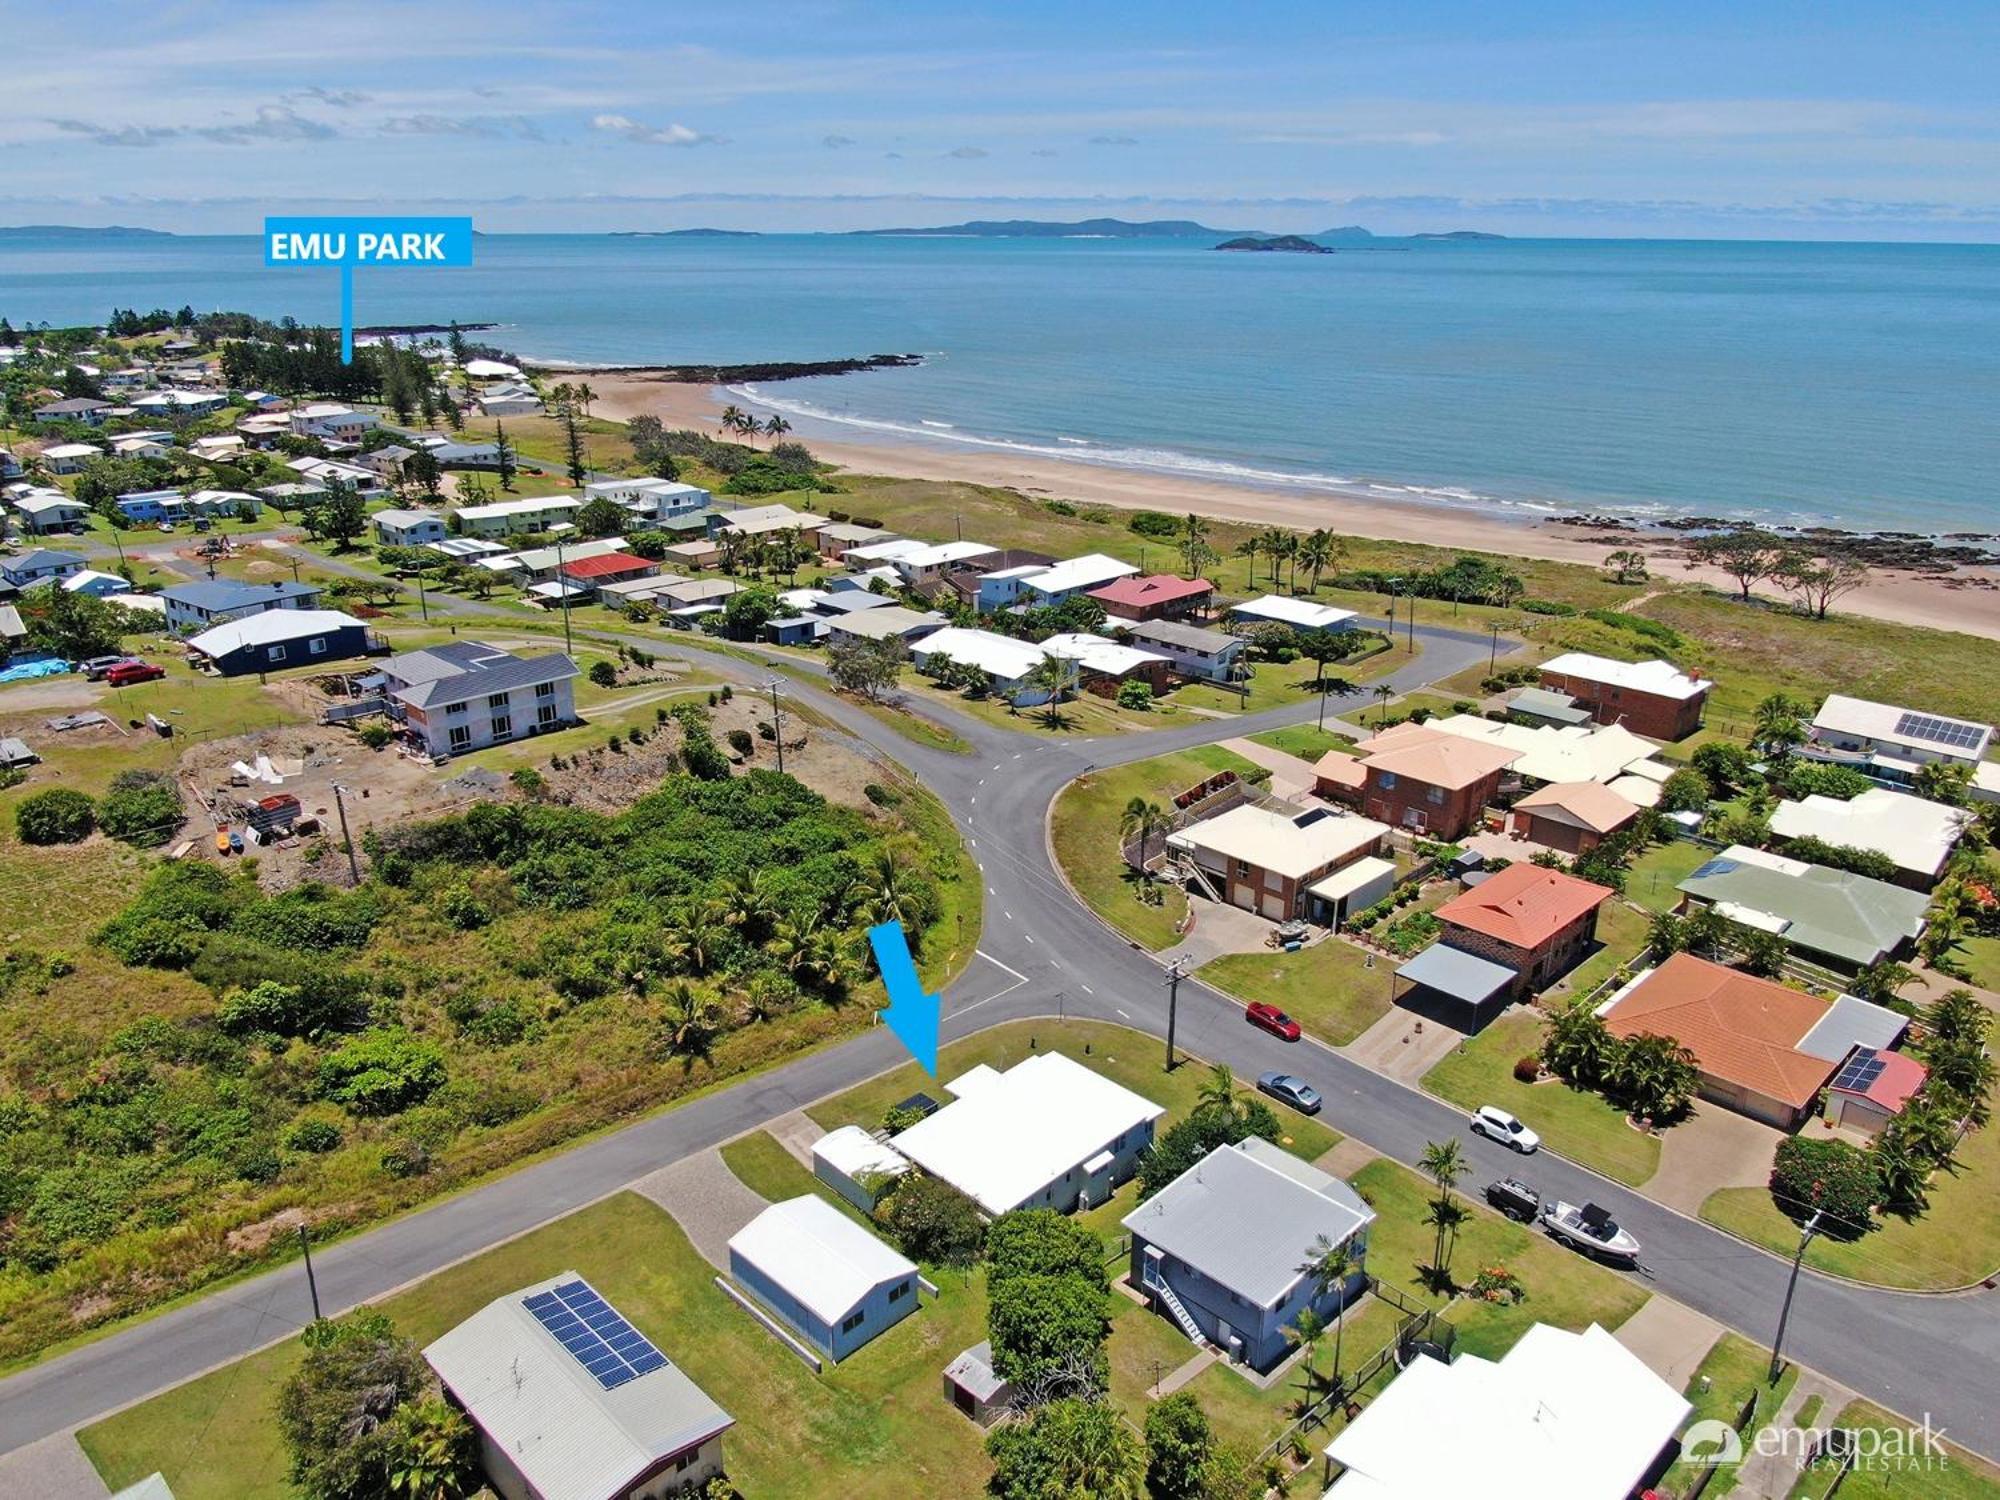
(1461,976)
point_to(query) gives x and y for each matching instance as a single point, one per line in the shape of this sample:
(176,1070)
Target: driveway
(1291,777)
(1218,929)
(1403,1045)
(1713,1148)
(706,1199)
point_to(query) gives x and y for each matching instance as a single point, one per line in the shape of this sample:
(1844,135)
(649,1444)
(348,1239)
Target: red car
(1272,1020)
(128,672)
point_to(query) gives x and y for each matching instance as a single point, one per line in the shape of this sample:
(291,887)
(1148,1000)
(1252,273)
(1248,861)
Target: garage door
(1274,907)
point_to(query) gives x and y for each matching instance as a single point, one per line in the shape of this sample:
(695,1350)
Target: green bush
(603,673)
(1828,1175)
(59,815)
(740,741)
(933,1221)
(1135,695)
(381,1072)
(1154,523)
(375,734)
(142,807)
(315,1137)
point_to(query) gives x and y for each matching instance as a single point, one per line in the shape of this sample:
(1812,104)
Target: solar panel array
(1951,732)
(595,1333)
(1860,1070)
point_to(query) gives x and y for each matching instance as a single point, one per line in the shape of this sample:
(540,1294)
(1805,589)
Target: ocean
(1855,386)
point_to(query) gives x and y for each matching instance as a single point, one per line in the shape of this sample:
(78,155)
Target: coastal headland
(1958,598)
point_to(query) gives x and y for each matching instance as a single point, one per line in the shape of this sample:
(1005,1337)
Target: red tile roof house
(1871,1089)
(1160,596)
(1652,698)
(1572,816)
(608,567)
(1427,781)
(1536,922)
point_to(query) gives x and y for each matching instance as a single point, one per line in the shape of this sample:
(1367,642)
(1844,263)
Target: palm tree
(693,929)
(1218,1090)
(1445,1216)
(689,1019)
(1292,540)
(1330,1265)
(1902,1169)
(1143,818)
(584,396)
(1444,1163)
(1306,1330)
(1383,693)
(731,419)
(1271,542)
(1319,551)
(1056,676)
(880,893)
(776,426)
(1249,549)
(746,901)
(810,952)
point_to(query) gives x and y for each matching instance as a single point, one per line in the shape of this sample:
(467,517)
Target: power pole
(1493,657)
(569,647)
(312,1282)
(1791,1286)
(1410,619)
(340,806)
(777,725)
(422,603)
(1174,972)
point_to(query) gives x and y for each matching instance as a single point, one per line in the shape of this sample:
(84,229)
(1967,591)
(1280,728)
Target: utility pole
(340,806)
(1410,619)
(423,603)
(777,724)
(1493,657)
(312,1282)
(1791,1286)
(569,647)
(1174,972)
(295,570)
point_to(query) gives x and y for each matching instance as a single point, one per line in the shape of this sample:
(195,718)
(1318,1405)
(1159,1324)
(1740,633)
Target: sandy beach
(1968,600)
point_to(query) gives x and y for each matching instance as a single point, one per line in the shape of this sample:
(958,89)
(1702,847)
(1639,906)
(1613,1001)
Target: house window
(317,645)
(503,726)
(277,653)
(1434,794)
(687,1460)
(496,700)
(460,736)
(454,708)
(1119,1144)
(850,1324)
(1242,869)
(1388,780)
(545,715)
(545,690)
(898,1292)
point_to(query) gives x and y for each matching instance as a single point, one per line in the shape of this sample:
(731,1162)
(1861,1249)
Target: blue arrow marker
(912,1014)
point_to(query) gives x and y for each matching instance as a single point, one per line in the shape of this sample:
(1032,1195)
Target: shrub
(1135,695)
(375,734)
(880,795)
(142,807)
(603,673)
(336,1409)
(59,815)
(315,1137)
(1827,1175)
(740,741)
(1154,523)
(1547,607)
(933,1221)
(1528,1069)
(381,1072)
(464,910)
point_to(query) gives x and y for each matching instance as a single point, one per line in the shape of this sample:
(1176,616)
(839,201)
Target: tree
(1727,766)
(1218,1091)
(746,612)
(1179,1443)
(601,517)
(1577,1046)
(732,418)
(339,516)
(1687,790)
(56,815)
(1655,1076)
(932,1220)
(1319,551)
(504,458)
(421,469)
(1068,1450)
(142,807)
(1193,545)
(1945,781)
(1745,553)
(1880,983)
(1141,820)
(1957,1016)
(1627,565)
(1383,693)
(1444,1163)
(1191,1140)
(1056,677)
(1322,646)
(1781,725)
(1764,953)
(574,452)
(689,1020)
(75,626)
(337,1411)
(867,667)
(1815,584)
(1330,1265)
(776,426)
(433,1453)
(1831,1176)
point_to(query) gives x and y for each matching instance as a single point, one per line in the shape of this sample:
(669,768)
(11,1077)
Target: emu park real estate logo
(1900,1451)
(368,241)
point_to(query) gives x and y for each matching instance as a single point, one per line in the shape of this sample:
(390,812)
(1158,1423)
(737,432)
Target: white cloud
(632,130)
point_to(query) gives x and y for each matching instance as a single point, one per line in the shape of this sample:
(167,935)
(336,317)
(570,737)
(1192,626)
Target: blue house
(822,1275)
(199,605)
(1219,1249)
(143,507)
(280,639)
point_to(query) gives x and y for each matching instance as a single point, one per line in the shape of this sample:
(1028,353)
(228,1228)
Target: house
(1318,864)
(857,1166)
(138,445)
(1155,596)
(465,695)
(85,409)
(988,589)
(263,433)
(220,447)
(649,499)
(388,460)
(1653,698)
(1916,835)
(1528,925)
(1070,578)
(327,472)
(1300,614)
(1007,661)
(280,638)
(925,566)
(408,528)
(41,565)
(457,452)
(95,585)
(769,520)
(546,562)
(1763,1049)
(10,466)
(1609,753)
(1572,816)
(1834,918)
(332,422)
(691,593)
(1887,743)
(503,517)
(892,622)
(646,590)
(573,1403)
(146,507)
(1047,1133)
(694,555)
(192,605)
(822,1275)
(69,458)
(1576,1415)
(1224,1249)
(973,1388)
(44,511)
(608,567)
(888,551)
(837,536)
(131,378)
(1871,1089)
(510,399)
(1429,782)
(1540,706)
(1103,665)
(293,496)
(1206,655)
(463,548)
(171,403)
(225,504)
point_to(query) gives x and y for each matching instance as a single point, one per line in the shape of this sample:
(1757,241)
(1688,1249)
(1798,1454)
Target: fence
(1418,1322)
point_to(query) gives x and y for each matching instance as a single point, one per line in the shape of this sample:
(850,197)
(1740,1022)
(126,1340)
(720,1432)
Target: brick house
(1270,863)
(1572,816)
(1652,698)
(1427,781)
(1157,596)
(1536,922)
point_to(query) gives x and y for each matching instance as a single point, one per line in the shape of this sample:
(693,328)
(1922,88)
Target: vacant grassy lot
(1303,740)
(1084,828)
(1277,684)
(1981,955)
(1329,988)
(1955,1475)
(873,1425)
(1578,1124)
(1955,1244)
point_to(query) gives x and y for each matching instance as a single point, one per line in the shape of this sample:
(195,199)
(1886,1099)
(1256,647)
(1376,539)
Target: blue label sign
(377,241)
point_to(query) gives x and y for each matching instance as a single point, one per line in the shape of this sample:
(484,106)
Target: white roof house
(1662,679)
(1570,752)
(571,1432)
(1302,614)
(1006,1138)
(1861,725)
(890,620)
(813,1252)
(1075,575)
(1000,656)
(1570,1414)
(762,520)
(1096,653)
(268,628)
(895,549)
(1916,834)
(852,1161)
(943,554)
(1274,841)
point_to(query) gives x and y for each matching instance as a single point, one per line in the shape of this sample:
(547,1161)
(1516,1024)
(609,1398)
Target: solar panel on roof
(1860,1070)
(595,1333)
(1952,732)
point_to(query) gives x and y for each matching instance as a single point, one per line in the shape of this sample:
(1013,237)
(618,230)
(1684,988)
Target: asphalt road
(1042,954)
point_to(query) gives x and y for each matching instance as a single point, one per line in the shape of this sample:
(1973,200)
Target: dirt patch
(66,692)
(252,1238)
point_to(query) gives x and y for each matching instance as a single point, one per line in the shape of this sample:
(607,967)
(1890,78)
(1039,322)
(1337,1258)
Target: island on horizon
(1295,244)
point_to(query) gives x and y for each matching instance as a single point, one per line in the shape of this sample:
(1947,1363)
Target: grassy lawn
(1981,955)
(1085,713)
(1126,1057)
(1731,1373)
(874,1425)
(1277,684)
(1578,1124)
(1955,1244)
(1303,740)
(1563,1288)
(1622,934)
(1144,1347)
(763,1165)
(1958,1476)
(1652,879)
(1328,987)
(1084,827)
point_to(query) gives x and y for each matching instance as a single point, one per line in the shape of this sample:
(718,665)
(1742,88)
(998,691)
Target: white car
(1498,1125)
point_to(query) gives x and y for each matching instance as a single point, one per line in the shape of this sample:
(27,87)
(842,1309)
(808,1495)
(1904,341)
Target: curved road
(1042,953)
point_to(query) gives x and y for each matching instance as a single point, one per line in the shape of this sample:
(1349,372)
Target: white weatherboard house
(1067,579)
(825,1277)
(1300,614)
(856,1165)
(1047,1133)
(1916,835)
(409,528)
(1888,743)
(1220,1248)
(463,695)
(1571,1414)
(533,513)
(651,499)
(573,1403)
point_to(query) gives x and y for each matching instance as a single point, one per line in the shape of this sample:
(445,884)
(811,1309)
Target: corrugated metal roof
(1454,972)
(816,1253)
(1848,916)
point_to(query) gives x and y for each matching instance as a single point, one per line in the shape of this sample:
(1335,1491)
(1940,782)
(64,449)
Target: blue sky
(1788,120)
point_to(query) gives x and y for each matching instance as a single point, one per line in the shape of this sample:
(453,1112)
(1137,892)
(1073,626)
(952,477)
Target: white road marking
(1087,989)
(1010,916)
(993,893)
(1121,1013)
(1029,936)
